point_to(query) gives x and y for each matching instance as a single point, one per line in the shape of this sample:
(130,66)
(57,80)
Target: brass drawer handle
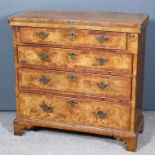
(43,34)
(72,55)
(102,61)
(72,77)
(72,103)
(44,56)
(101,38)
(46,107)
(101,114)
(102,84)
(72,36)
(44,79)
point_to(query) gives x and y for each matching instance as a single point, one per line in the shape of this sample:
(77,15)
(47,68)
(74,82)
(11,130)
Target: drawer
(73,58)
(78,83)
(67,37)
(74,111)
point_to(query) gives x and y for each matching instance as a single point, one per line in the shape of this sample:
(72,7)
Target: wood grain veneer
(80,71)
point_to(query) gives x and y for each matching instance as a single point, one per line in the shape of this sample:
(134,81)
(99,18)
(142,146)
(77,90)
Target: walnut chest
(80,71)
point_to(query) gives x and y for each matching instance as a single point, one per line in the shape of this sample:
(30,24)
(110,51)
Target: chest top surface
(109,19)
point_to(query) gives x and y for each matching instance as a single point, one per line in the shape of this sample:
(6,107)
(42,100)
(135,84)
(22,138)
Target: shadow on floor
(7,118)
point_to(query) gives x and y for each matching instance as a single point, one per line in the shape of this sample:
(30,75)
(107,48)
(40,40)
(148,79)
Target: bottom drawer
(74,111)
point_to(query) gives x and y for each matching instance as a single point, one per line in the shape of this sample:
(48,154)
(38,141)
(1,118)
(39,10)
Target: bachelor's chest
(80,71)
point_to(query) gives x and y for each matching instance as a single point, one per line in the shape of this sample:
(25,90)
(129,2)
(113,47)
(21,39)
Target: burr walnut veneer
(80,71)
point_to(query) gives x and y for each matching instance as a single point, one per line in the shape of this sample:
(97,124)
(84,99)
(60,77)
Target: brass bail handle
(46,107)
(43,34)
(44,79)
(101,114)
(102,84)
(44,56)
(102,61)
(101,38)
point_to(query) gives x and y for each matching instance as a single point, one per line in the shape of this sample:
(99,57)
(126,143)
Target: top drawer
(84,38)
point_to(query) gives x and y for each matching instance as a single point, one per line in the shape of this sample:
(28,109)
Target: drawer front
(74,111)
(109,40)
(71,58)
(80,83)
